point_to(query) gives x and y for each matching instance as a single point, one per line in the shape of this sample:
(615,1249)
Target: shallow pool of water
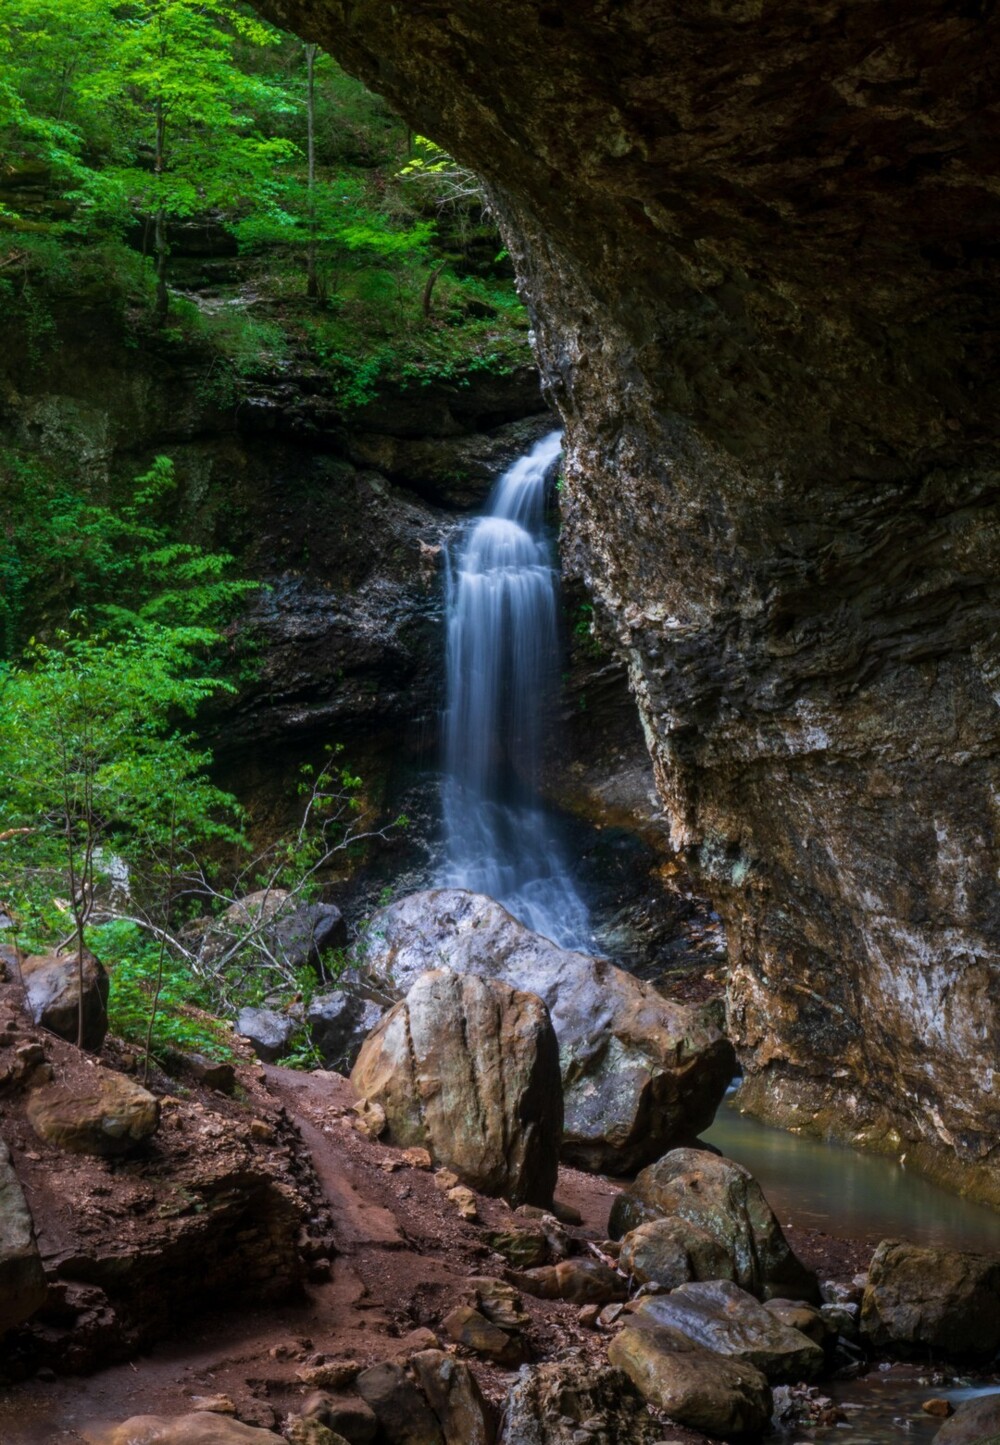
(846,1192)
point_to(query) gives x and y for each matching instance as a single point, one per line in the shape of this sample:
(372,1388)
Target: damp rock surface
(760,257)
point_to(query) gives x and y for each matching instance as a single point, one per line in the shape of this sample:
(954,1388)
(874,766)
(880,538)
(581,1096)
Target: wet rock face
(758,242)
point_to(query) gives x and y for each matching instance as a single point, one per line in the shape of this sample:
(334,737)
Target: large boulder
(22,1279)
(975,1422)
(724,1201)
(198,1428)
(464,1414)
(560,1403)
(52,996)
(640,1073)
(338,1023)
(110,1115)
(717,1315)
(469,1068)
(919,1299)
(695,1387)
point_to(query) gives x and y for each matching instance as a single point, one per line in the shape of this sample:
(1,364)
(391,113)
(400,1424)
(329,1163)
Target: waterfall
(502,675)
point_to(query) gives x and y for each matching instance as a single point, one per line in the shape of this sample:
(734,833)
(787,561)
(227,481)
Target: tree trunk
(312,283)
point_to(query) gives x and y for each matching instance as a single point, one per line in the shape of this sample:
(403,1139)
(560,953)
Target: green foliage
(116,565)
(182,1020)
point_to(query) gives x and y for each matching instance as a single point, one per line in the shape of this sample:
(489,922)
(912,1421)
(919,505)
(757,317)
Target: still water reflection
(842,1191)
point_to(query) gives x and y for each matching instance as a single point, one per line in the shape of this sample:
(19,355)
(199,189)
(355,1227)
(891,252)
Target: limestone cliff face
(760,241)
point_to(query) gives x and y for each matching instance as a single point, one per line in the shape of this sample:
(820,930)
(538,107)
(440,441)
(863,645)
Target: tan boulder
(468,1068)
(108,1115)
(640,1072)
(52,995)
(695,1387)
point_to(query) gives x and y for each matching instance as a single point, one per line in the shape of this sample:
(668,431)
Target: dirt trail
(402,1256)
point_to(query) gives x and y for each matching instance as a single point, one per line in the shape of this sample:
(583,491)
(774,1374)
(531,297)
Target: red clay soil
(399,1261)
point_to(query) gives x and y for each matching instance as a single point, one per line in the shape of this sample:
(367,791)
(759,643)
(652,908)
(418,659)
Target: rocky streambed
(401,1257)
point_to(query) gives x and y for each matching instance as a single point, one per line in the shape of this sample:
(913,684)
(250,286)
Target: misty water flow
(502,677)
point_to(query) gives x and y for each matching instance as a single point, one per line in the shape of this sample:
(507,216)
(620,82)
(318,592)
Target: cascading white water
(502,670)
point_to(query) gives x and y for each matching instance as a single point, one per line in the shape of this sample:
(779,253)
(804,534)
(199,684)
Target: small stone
(523,1248)
(260,1129)
(468,1327)
(938,1407)
(370,1119)
(465,1202)
(444,1180)
(390,1166)
(417,1158)
(589,1316)
(610,1315)
(213,1404)
(565,1213)
(499,1302)
(333,1375)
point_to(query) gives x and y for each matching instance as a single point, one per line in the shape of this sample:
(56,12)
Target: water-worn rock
(52,995)
(193,1429)
(724,1200)
(22,1279)
(672,1251)
(464,1414)
(270,1033)
(939,1299)
(695,1387)
(640,1073)
(728,342)
(338,1024)
(109,1115)
(975,1422)
(717,1315)
(469,1068)
(552,1403)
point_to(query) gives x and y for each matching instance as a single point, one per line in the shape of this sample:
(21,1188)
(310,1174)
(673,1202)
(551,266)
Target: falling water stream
(502,674)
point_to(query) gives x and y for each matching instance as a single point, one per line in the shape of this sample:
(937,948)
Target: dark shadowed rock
(468,1068)
(338,1024)
(464,1414)
(52,995)
(22,1280)
(722,1199)
(404,1416)
(270,1033)
(938,1299)
(639,1072)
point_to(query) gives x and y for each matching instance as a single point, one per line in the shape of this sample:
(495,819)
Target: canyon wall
(760,244)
